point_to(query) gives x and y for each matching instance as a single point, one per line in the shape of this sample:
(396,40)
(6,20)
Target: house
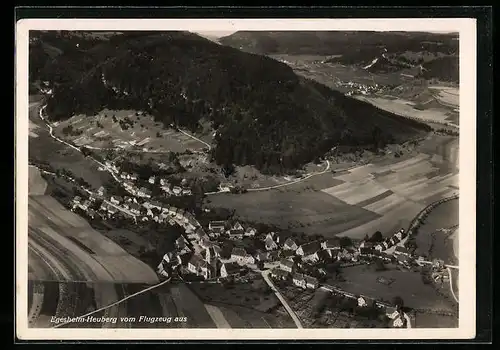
(401,251)
(225,187)
(129,185)
(170,258)
(240,256)
(331,244)
(402,259)
(270,235)
(133,176)
(261,256)
(152,180)
(229,269)
(180,243)
(200,267)
(135,208)
(164,182)
(290,244)
(212,252)
(366,245)
(400,234)
(85,204)
(379,247)
(287,265)
(237,227)
(177,190)
(250,232)
(91,213)
(311,282)
(101,191)
(308,251)
(367,252)
(77,200)
(281,237)
(161,270)
(365,301)
(116,199)
(270,244)
(280,274)
(273,255)
(144,219)
(186,192)
(144,192)
(299,280)
(323,255)
(156,204)
(216,225)
(172,211)
(184,257)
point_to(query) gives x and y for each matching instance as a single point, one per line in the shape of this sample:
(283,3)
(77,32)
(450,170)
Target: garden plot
(357,191)
(143,132)
(36,183)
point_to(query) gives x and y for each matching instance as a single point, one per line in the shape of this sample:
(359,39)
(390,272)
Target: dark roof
(217,223)
(367,250)
(238,252)
(323,254)
(279,272)
(311,247)
(310,279)
(198,261)
(298,276)
(287,262)
(402,250)
(332,242)
(290,242)
(231,267)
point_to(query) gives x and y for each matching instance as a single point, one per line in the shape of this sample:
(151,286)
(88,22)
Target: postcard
(239,179)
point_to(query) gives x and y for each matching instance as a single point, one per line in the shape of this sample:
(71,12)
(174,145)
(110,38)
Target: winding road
(451,284)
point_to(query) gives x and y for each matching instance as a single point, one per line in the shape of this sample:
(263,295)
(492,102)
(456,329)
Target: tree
(398,302)
(377,237)
(345,242)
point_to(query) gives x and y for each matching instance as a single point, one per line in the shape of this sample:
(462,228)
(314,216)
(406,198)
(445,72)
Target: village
(225,251)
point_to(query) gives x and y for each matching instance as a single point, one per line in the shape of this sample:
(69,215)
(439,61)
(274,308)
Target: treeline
(263,113)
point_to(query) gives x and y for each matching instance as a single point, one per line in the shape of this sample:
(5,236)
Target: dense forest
(349,44)
(263,113)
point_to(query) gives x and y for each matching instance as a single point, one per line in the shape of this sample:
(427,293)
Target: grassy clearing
(313,212)
(434,242)
(144,133)
(36,183)
(362,279)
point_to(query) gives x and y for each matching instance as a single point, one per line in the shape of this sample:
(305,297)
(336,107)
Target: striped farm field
(36,183)
(64,247)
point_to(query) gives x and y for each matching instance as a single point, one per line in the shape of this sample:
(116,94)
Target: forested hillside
(262,112)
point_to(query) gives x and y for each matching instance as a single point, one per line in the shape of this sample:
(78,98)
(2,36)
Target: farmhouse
(116,199)
(240,256)
(250,232)
(135,208)
(77,200)
(287,265)
(144,192)
(401,251)
(365,301)
(216,225)
(311,282)
(177,190)
(290,244)
(304,281)
(308,251)
(199,267)
(331,244)
(280,274)
(229,269)
(101,191)
(212,252)
(225,187)
(270,244)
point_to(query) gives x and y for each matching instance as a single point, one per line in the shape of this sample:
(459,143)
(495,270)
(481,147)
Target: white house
(240,256)
(311,282)
(250,232)
(287,265)
(212,253)
(177,190)
(135,208)
(152,180)
(270,244)
(225,187)
(280,274)
(299,280)
(116,199)
(85,205)
(290,244)
(101,191)
(200,267)
(77,200)
(216,225)
(186,192)
(308,251)
(144,192)
(164,182)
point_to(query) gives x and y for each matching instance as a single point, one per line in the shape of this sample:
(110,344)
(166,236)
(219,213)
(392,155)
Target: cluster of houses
(358,88)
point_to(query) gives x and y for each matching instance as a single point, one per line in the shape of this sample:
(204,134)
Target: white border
(467,243)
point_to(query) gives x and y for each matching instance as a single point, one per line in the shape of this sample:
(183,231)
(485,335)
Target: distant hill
(263,113)
(380,52)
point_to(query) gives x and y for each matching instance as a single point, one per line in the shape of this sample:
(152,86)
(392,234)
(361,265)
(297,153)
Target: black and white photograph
(246,176)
